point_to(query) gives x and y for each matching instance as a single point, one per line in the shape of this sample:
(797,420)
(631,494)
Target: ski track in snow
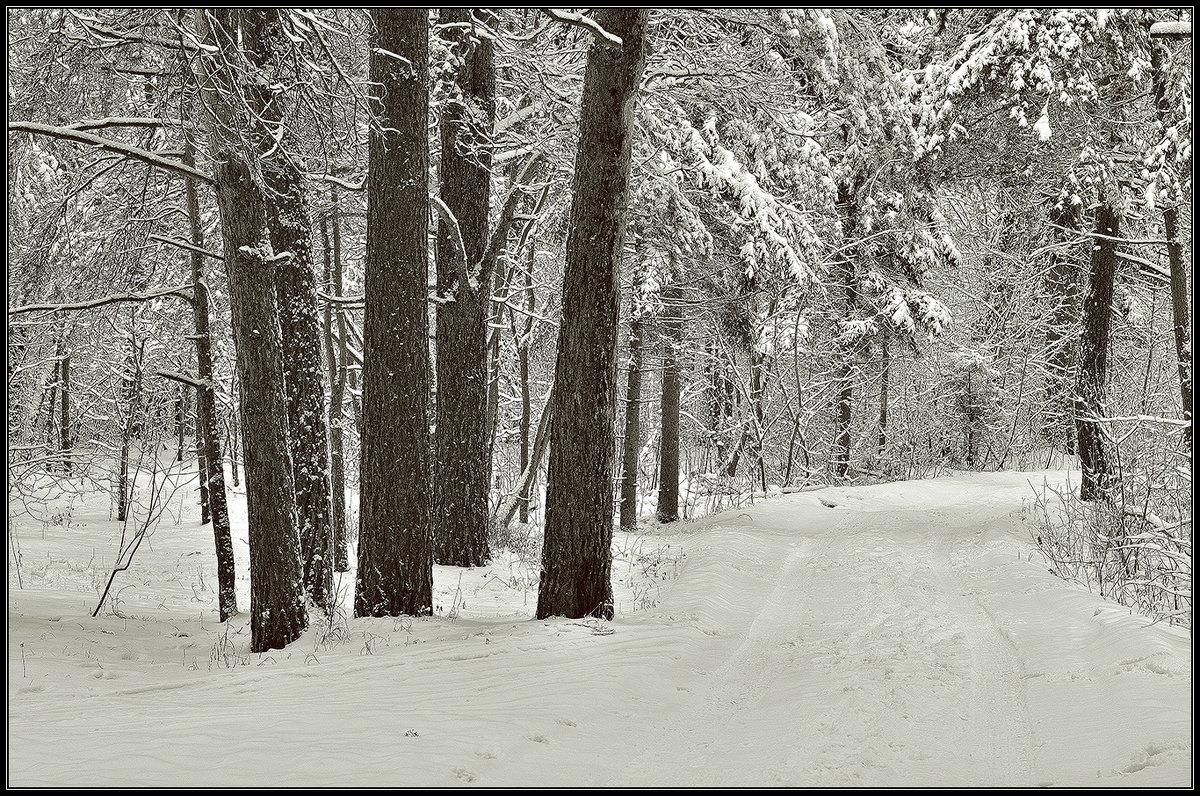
(906,636)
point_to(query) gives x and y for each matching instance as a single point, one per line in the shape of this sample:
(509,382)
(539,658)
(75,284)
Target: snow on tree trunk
(577,553)
(395,552)
(277,596)
(461,442)
(277,608)
(1093,358)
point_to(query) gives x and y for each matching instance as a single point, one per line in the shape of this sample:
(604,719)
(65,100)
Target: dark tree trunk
(668,456)
(1062,285)
(64,416)
(1093,358)
(461,442)
(523,361)
(131,391)
(577,554)
(633,425)
(1180,305)
(212,468)
(336,368)
(277,595)
(289,228)
(180,416)
(395,552)
(885,378)
(845,371)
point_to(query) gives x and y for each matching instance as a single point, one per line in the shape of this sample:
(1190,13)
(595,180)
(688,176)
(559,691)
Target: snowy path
(903,637)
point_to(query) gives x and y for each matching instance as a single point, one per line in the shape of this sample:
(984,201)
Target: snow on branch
(122,121)
(181,291)
(199,384)
(128,150)
(183,244)
(1174,29)
(587,23)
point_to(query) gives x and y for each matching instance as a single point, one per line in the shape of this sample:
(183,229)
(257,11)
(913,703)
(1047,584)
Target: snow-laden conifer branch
(119,147)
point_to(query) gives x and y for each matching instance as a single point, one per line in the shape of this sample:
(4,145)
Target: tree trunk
(64,417)
(845,399)
(1093,358)
(461,442)
(523,360)
(1062,285)
(668,457)
(212,468)
(395,553)
(336,367)
(885,378)
(295,290)
(1180,305)
(633,424)
(277,595)
(577,554)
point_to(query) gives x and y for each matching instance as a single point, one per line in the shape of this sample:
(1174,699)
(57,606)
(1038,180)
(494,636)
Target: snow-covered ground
(907,635)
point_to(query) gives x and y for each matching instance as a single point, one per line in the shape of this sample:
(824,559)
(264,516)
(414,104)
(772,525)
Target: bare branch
(128,150)
(199,384)
(180,291)
(506,217)
(183,244)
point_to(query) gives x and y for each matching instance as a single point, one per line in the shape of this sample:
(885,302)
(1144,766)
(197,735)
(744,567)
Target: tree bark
(577,554)
(64,417)
(633,424)
(289,228)
(1093,358)
(461,442)
(336,370)
(1180,305)
(277,596)
(845,371)
(212,468)
(668,447)
(395,553)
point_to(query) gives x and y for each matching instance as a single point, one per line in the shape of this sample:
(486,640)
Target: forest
(696,333)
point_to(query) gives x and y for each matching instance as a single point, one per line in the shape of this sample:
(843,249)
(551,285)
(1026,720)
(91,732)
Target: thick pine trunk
(1093,358)
(295,286)
(212,469)
(290,232)
(277,597)
(668,456)
(395,552)
(577,554)
(633,426)
(461,442)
